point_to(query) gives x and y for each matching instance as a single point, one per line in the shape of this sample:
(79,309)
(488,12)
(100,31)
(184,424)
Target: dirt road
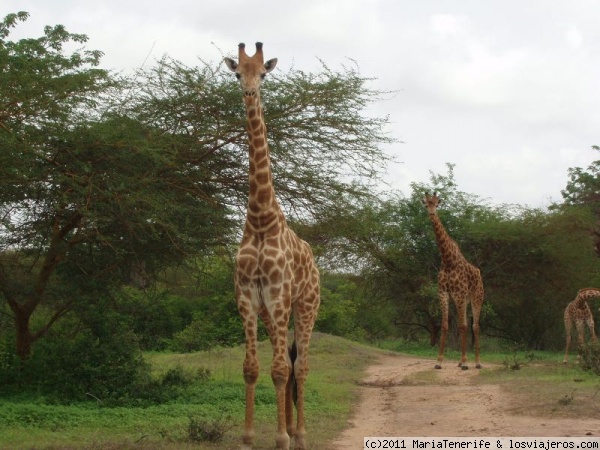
(395,402)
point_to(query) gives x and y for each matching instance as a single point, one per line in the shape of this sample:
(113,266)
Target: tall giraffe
(579,311)
(276,277)
(458,279)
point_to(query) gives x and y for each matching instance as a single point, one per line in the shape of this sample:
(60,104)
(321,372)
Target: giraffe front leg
(250,370)
(444,297)
(463,327)
(590,324)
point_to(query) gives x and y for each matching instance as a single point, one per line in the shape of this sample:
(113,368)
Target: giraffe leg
(250,370)
(590,324)
(463,327)
(277,319)
(280,372)
(280,367)
(568,325)
(580,325)
(444,297)
(476,309)
(290,394)
(302,332)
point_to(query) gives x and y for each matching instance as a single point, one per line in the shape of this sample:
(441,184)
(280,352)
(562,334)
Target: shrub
(201,430)
(109,368)
(590,357)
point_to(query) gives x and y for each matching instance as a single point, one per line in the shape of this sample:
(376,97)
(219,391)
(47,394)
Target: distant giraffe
(579,311)
(276,277)
(458,279)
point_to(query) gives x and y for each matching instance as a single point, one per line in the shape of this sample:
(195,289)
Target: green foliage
(338,313)
(514,361)
(583,186)
(155,315)
(109,368)
(590,357)
(215,319)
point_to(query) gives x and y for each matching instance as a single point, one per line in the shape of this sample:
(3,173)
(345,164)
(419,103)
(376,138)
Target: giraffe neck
(263,211)
(448,248)
(587,293)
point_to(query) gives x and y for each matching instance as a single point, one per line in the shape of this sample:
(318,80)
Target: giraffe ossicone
(276,277)
(459,279)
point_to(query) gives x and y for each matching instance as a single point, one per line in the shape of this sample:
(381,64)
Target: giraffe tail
(293,351)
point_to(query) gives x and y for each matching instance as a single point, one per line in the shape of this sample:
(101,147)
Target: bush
(590,357)
(200,430)
(110,369)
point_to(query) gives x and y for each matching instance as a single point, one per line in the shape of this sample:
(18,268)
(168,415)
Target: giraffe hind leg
(291,395)
(476,310)
(568,342)
(303,327)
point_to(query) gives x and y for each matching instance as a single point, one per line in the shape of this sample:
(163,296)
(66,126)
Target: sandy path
(393,404)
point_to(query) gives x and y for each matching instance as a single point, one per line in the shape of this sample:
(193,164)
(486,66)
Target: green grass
(335,367)
(492,351)
(548,388)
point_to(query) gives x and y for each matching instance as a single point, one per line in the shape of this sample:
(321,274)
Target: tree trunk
(25,338)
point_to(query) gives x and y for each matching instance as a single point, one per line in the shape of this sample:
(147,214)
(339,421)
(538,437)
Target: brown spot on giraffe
(579,311)
(272,262)
(459,279)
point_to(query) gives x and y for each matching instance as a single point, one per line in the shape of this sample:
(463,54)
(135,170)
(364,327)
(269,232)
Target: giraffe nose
(250,93)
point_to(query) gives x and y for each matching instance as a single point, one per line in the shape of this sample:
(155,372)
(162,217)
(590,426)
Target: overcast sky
(508,91)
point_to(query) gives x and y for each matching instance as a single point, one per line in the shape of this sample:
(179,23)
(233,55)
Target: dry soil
(446,402)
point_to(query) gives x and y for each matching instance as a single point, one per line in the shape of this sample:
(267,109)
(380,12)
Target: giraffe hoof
(478,366)
(464,367)
(438,366)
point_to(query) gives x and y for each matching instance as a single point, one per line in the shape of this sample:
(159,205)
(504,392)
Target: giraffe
(579,311)
(458,279)
(276,277)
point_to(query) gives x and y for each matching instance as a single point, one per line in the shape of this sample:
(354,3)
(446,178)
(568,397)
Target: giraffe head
(431,202)
(250,70)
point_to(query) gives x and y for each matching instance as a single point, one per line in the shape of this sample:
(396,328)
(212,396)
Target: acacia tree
(107,180)
(323,147)
(90,198)
(583,189)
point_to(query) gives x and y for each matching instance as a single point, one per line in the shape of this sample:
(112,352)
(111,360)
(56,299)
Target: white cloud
(574,37)
(446,25)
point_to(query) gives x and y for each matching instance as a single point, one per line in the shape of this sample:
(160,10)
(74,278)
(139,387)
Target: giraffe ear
(231,64)
(270,64)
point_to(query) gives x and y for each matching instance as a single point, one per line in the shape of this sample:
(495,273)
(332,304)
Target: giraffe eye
(262,76)
(238,76)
